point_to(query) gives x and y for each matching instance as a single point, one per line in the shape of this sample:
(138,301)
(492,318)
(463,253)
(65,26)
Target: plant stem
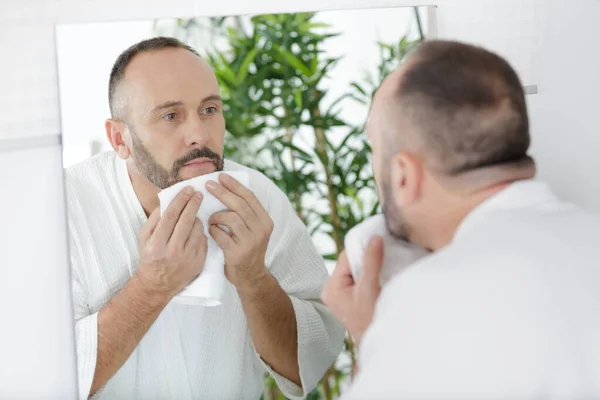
(326,385)
(297,196)
(336,227)
(351,351)
(331,195)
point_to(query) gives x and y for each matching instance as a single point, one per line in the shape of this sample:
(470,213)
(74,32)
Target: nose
(196,133)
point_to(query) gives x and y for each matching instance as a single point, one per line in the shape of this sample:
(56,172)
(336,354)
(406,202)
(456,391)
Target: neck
(466,191)
(442,225)
(146,191)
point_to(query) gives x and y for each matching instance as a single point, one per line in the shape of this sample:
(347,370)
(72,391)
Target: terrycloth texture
(397,254)
(190,352)
(207,289)
(509,310)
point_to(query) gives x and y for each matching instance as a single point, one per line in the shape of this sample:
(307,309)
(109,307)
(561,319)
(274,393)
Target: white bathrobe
(509,310)
(190,352)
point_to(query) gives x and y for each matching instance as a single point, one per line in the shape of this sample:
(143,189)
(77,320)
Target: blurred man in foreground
(507,306)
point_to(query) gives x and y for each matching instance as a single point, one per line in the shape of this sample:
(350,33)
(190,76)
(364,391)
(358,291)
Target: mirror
(294,96)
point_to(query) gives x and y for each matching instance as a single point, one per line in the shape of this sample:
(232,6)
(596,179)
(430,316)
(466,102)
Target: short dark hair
(468,105)
(118,70)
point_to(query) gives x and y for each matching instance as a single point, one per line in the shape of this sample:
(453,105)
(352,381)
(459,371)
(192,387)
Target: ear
(115,132)
(406,178)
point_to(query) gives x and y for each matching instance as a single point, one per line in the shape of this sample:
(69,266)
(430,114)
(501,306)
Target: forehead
(169,74)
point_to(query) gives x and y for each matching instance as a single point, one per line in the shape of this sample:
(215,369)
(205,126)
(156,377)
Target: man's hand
(353,303)
(250,228)
(173,248)
(269,310)
(172,254)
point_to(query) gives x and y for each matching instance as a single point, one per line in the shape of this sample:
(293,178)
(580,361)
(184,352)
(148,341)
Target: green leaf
(358,99)
(298,150)
(293,61)
(314,65)
(299,19)
(330,257)
(316,228)
(313,25)
(272,18)
(385,46)
(359,88)
(374,209)
(322,38)
(243,71)
(298,98)
(330,110)
(332,120)
(345,140)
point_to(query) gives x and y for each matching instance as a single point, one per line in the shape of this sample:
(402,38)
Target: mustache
(204,152)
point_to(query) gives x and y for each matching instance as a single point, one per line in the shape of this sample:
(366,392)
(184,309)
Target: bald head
(459,107)
(116,97)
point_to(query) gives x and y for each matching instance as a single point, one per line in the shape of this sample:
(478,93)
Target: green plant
(279,120)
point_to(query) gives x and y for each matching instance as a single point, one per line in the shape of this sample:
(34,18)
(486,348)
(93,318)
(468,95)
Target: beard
(160,176)
(394,216)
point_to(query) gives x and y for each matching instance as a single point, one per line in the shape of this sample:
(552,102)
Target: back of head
(466,109)
(448,129)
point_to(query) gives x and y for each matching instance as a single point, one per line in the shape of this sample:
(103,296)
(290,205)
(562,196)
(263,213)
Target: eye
(210,110)
(169,116)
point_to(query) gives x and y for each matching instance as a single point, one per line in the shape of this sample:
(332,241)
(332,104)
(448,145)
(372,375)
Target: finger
(197,238)
(342,267)
(221,237)
(372,263)
(342,275)
(326,294)
(148,229)
(337,299)
(169,219)
(233,222)
(186,221)
(229,182)
(234,203)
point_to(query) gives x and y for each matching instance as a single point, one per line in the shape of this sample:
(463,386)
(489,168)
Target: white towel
(207,288)
(398,254)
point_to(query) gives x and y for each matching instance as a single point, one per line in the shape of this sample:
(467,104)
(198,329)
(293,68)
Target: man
(133,342)
(507,305)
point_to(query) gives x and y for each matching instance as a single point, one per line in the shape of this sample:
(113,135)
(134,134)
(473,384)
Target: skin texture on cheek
(175,108)
(395,217)
(147,164)
(161,176)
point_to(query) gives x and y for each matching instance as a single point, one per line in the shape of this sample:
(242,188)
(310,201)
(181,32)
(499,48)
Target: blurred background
(296,91)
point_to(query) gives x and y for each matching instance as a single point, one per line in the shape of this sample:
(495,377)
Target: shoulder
(449,281)
(89,184)
(88,171)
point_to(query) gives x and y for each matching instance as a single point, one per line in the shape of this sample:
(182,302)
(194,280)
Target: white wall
(566,115)
(551,43)
(36,350)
